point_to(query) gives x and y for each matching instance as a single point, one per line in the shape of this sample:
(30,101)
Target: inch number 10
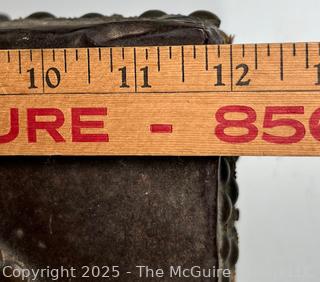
(52,78)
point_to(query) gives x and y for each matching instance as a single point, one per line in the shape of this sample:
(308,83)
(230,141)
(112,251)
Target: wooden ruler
(252,99)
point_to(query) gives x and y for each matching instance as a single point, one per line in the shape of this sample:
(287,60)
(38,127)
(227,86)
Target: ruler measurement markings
(158,59)
(182,64)
(170,52)
(122,53)
(255,56)
(65,61)
(89,66)
(42,70)
(19,62)
(307,55)
(281,62)
(268,50)
(111,59)
(206,58)
(135,69)
(231,68)
(241,56)
(100,54)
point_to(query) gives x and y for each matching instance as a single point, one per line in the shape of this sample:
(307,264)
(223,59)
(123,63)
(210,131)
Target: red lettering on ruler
(271,122)
(161,128)
(50,126)
(246,123)
(78,124)
(14,127)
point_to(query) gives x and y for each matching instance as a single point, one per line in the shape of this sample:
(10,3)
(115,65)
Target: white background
(280,198)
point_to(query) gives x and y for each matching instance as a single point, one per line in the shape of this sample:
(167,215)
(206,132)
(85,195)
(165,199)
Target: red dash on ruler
(161,128)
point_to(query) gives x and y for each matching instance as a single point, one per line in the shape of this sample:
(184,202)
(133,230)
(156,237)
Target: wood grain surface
(252,99)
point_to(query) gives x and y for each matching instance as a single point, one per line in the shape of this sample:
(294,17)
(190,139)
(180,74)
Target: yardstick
(244,99)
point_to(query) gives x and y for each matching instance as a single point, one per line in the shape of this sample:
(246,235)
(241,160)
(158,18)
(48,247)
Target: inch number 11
(124,83)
